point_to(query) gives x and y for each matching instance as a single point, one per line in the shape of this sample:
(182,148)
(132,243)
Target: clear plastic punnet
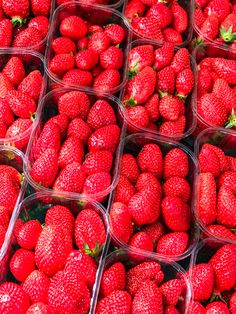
(32,61)
(114,4)
(226,141)
(49,108)
(133,144)
(94,15)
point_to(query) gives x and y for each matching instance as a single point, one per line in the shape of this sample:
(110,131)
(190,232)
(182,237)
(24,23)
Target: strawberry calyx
(216,296)
(92,252)
(130,102)
(227,35)
(231,120)
(162,94)
(133,71)
(182,97)
(18,21)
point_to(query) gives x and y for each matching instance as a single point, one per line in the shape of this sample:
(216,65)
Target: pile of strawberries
(143,288)
(217,192)
(215,20)
(160,82)
(24,23)
(158,20)
(214,280)
(55,265)
(20,88)
(151,209)
(88,54)
(76,148)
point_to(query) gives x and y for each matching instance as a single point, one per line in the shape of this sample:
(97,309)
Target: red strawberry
(115,32)
(205,82)
(173,128)
(111,58)
(152,107)
(228,28)
(221,232)
(94,29)
(3,129)
(73,27)
(61,216)
(155,231)
(171,310)
(28,234)
(21,104)
(90,234)
(107,80)
(86,59)
(41,23)
(176,164)
(61,63)
(184,82)
(62,121)
(97,183)
(7,187)
(41,7)
(14,70)
(172,36)
(82,43)
(233,303)
(117,302)
(225,69)
(217,307)
(139,57)
(231,161)
(166,80)
(226,202)
(13,298)
(171,291)
(124,190)
(78,77)
(5,86)
(17,129)
(147,180)
(137,118)
(221,87)
(52,249)
(113,278)
(72,150)
(22,264)
(100,161)
(133,9)
(80,129)
(172,244)
(208,160)
(177,186)
(121,223)
(210,27)
(101,114)
(197,308)
(202,3)
(218,8)
(224,166)
(6,32)
(140,241)
(163,56)
(180,18)
(32,85)
(170,107)
(4,216)
(36,286)
(228,179)
(39,307)
(99,42)
(28,38)
(147,27)
(16,9)
(129,167)
(70,179)
(61,45)
(161,13)
(181,60)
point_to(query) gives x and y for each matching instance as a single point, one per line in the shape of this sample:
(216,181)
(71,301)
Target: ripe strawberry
(28,234)
(78,77)
(16,9)
(41,23)
(197,308)
(225,69)
(97,183)
(219,231)
(73,27)
(86,59)
(72,150)
(202,3)
(3,230)
(220,9)
(113,278)
(152,107)
(32,85)
(94,29)
(129,167)
(155,231)
(39,308)
(150,270)
(170,107)
(107,80)
(177,186)
(70,179)
(52,249)
(3,129)
(148,298)
(205,82)
(22,264)
(124,190)
(90,234)
(82,43)
(101,114)
(147,180)
(61,45)
(225,203)
(166,80)
(14,70)
(224,166)
(161,13)
(228,179)
(117,302)
(181,60)
(99,42)
(137,118)
(6,32)
(134,8)
(100,161)
(36,286)
(28,38)
(5,86)
(221,87)
(4,216)
(179,18)
(80,129)
(184,83)
(104,138)
(171,310)
(176,164)
(231,161)
(147,27)
(210,27)
(41,7)
(228,28)
(172,244)
(139,57)
(61,63)
(8,187)
(163,56)
(62,121)
(13,298)
(233,303)
(171,291)
(217,307)
(172,36)
(209,161)
(17,129)
(150,160)
(21,104)
(111,58)
(115,32)
(140,241)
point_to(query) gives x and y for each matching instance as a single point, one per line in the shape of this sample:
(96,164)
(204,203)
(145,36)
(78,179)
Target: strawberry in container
(160,93)
(213,276)
(107,3)
(22,84)
(53,256)
(152,206)
(24,24)
(76,145)
(216,184)
(161,21)
(88,47)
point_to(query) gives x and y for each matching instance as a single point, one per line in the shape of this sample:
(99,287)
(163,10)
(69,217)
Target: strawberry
(113,278)
(150,270)
(28,234)
(184,83)
(6,32)
(137,117)
(111,58)
(38,307)
(163,56)
(233,303)
(100,161)
(36,286)
(117,302)
(28,38)
(101,114)
(166,80)
(179,18)
(3,129)
(94,29)
(3,230)
(74,104)
(147,27)
(170,107)
(140,241)
(107,80)
(61,216)
(152,107)
(21,104)
(62,121)
(219,231)
(212,110)
(161,13)
(197,308)
(171,291)
(7,187)
(181,60)
(171,310)
(70,179)
(52,249)
(14,174)
(78,77)
(207,198)
(147,180)
(90,234)
(155,231)
(62,63)
(205,82)
(231,161)
(41,7)
(22,264)
(80,129)
(72,150)
(177,186)
(133,9)
(115,32)
(225,203)
(86,59)
(202,3)
(121,223)
(14,70)
(209,28)
(224,166)
(13,298)
(221,87)
(82,43)
(99,42)
(4,216)
(150,159)
(41,23)
(32,85)
(228,179)
(199,17)
(209,161)
(172,244)
(129,167)
(228,28)
(124,190)
(225,69)
(217,307)
(139,57)
(104,138)
(16,9)
(73,27)
(5,86)
(202,277)
(218,8)
(172,36)
(176,164)
(62,45)
(17,129)
(97,183)
(148,298)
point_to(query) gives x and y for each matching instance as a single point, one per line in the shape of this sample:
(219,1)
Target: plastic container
(94,14)
(48,108)
(32,61)
(133,144)
(114,4)
(190,102)
(187,35)
(171,270)
(227,142)
(12,157)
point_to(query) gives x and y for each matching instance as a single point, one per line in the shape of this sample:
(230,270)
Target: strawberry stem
(182,97)
(162,94)
(131,102)
(231,121)
(18,21)
(92,252)
(227,35)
